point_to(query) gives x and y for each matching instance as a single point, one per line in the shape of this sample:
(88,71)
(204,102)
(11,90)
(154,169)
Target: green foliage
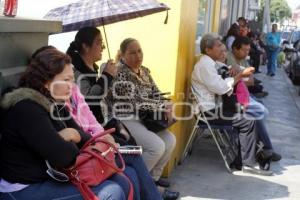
(279,10)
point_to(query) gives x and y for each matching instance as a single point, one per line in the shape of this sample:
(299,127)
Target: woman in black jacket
(38,133)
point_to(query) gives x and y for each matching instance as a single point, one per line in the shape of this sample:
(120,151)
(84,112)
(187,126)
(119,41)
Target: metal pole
(107,45)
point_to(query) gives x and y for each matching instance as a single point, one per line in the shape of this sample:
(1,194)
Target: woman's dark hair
(44,66)
(233,31)
(239,41)
(85,35)
(41,49)
(125,43)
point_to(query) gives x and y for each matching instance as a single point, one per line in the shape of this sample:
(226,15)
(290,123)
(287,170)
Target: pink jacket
(242,93)
(82,114)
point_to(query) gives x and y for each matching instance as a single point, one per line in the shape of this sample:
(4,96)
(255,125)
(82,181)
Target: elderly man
(209,85)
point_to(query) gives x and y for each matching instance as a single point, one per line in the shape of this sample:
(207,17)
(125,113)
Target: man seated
(253,109)
(209,85)
(237,58)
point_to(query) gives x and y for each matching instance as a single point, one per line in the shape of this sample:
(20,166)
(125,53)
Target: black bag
(229,103)
(122,134)
(155,121)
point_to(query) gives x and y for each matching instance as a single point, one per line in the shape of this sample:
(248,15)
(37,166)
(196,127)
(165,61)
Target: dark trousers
(246,129)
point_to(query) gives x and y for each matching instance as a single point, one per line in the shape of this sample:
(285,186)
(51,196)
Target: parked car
(292,62)
(294,71)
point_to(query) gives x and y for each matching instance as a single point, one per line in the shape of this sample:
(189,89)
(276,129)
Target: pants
(157,147)
(255,61)
(133,177)
(148,189)
(246,129)
(52,190)
(258,112)
(272,59)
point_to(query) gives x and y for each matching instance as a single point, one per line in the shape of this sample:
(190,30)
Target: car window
(296,36)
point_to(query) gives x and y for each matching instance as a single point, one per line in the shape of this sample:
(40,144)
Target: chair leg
(233,144)
(225,141)
(215,137)
(190,142)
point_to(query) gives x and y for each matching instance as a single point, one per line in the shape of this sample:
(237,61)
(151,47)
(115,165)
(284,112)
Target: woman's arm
(39,134)
(96,90)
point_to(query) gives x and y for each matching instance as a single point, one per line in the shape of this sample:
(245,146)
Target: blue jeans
(133,177)
(272,59)
(258,111)
(148,188)
(52,190)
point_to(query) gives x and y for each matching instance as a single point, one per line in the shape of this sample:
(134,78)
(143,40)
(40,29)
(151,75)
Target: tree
(279,10)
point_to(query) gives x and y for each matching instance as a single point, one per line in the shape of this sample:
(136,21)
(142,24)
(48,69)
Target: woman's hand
(110,139)
(111,68)
(70,135)
(169,111)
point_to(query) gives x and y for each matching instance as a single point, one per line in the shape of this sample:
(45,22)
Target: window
(200,24)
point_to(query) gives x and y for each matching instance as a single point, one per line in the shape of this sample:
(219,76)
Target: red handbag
(94,164)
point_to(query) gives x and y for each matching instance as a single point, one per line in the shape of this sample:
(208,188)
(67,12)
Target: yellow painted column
(185,62)
(216,16)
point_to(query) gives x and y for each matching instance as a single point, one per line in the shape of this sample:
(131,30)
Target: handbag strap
(93,139)
(91,152)
(88,194)
(85,190)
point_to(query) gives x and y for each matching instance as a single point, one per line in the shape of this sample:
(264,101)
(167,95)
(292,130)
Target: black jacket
(30,136)
(93,88)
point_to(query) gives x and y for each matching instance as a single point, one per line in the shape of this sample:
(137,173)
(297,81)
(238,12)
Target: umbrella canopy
(101,12)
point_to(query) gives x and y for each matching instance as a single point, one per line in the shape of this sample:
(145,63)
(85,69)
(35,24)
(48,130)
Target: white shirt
(207,83)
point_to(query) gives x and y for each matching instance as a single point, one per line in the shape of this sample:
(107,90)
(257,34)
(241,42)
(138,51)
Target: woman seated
(85,50)
(37,128)
(134,90)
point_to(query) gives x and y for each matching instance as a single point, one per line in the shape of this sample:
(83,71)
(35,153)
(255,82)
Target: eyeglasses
(56,175)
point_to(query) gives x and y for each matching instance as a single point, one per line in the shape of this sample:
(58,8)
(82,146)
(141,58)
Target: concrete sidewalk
(203,175)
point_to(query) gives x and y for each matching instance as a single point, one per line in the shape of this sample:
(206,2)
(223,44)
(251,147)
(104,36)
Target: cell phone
(131,149)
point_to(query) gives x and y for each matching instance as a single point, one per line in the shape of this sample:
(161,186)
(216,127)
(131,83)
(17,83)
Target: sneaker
(256,170)
(170,195)
(276,156)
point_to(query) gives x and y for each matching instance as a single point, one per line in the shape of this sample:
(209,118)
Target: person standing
(272,47)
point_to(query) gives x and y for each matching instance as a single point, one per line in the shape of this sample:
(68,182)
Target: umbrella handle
(105,36)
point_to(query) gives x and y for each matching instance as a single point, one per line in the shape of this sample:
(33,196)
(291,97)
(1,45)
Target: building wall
(168,53)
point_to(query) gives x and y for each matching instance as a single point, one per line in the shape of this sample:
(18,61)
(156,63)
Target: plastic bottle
(10,8)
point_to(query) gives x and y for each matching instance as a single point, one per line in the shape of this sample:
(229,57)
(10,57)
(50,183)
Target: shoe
(257,72)
(256,170)
(170,195)
(276,156)
(272,75)
(163,182)
(256,81)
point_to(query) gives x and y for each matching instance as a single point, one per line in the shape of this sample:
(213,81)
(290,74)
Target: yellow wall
(169,52)
(158,41)
(185,63)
